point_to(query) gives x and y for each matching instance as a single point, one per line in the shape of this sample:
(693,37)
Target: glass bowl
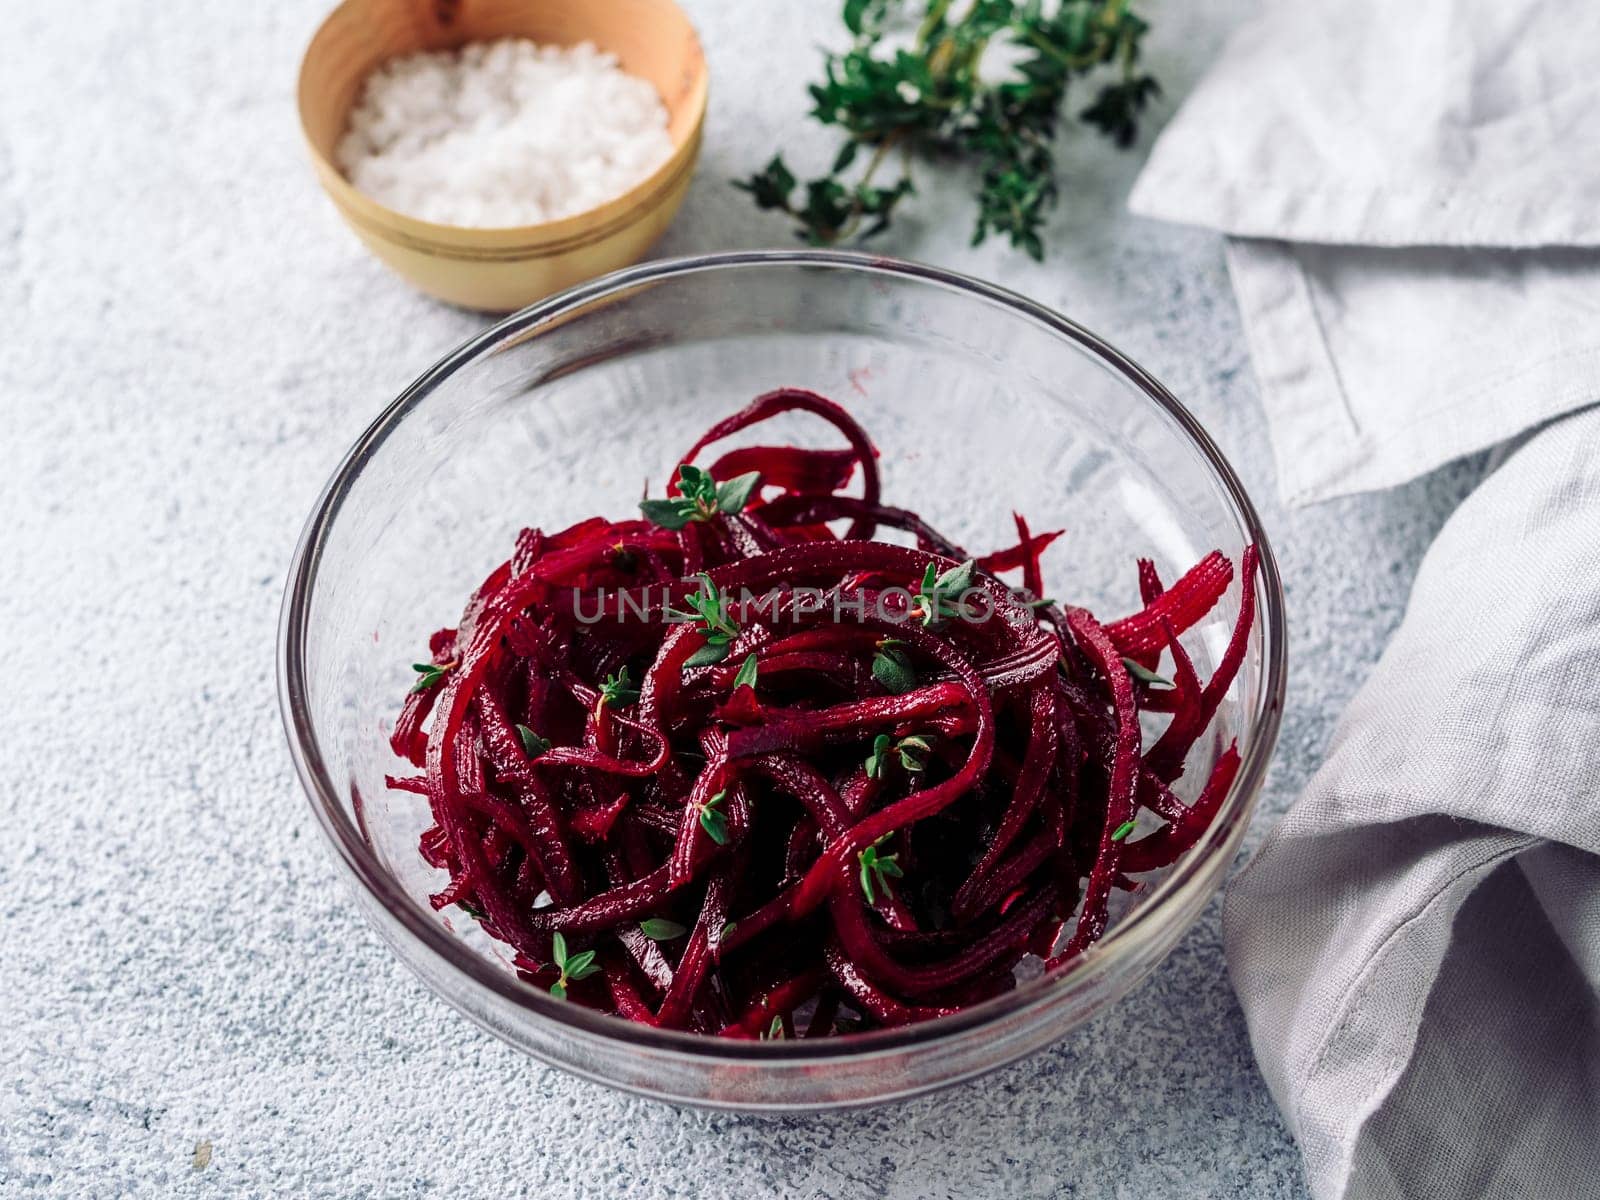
(982,402)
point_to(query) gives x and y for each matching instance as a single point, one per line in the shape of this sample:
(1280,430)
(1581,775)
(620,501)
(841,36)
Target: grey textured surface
(190,341)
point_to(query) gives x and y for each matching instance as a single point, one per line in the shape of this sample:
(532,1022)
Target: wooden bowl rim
(511,241)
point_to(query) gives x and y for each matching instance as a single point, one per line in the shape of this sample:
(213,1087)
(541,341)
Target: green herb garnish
(912,752)
(713,820)
(659,929)
(931,96)
(939,594)
(1145,675)
(881,746)
(711,611)
(532,742)
(572,968)
(734,494)
(877,869)
(429,674)
(774,1031)
(891,667)
(702,498)
(617,690)
(472,910)
(1122,831)
(747,674)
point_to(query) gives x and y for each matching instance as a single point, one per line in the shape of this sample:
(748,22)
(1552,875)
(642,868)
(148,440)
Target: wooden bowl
(503,269)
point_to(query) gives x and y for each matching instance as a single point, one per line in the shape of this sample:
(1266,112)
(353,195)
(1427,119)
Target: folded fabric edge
(1328,1143)
(1313,432)
(1318,447)
(1356,1023)
(1197,193)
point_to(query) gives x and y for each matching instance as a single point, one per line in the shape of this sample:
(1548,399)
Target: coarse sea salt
(501,133)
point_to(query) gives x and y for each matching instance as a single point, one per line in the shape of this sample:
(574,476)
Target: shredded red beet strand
(723,768)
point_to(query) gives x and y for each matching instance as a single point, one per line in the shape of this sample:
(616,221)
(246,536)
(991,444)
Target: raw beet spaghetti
(722,768)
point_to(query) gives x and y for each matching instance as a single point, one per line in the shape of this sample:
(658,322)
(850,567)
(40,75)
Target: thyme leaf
(713,820)
(659,929)
(532,743)
(1145,675)
(891,667)
(429,674)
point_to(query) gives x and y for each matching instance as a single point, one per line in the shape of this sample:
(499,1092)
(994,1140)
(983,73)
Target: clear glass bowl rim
(369,873)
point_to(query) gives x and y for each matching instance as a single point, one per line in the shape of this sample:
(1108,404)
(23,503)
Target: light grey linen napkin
(1412,194)
(1413,197)
(1417,945)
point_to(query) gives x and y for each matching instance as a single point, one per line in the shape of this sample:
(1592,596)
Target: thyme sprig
(939,594)
(618,690)
(572,967)
(932,96)
(912,752)
(877,869)
(711,611)
(702,498)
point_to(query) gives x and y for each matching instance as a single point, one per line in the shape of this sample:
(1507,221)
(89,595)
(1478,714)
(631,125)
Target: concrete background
(189,340)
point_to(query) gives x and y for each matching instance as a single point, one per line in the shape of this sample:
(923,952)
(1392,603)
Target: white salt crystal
(502,133)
